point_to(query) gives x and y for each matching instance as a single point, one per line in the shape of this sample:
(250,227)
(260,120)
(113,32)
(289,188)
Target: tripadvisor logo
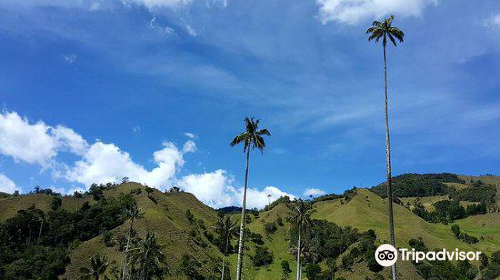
(387,255)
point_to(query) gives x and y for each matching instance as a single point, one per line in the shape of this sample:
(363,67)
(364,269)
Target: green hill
(165,215)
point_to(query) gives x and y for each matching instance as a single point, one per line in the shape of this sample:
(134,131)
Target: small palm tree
(225,228)
(149,257)
(251,138)
(98,266)
(384,30)
(131,213)
(300,217)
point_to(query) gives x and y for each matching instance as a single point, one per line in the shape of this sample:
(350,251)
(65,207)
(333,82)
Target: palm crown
(383,30)
(98,265)
(300,213)
(252,137)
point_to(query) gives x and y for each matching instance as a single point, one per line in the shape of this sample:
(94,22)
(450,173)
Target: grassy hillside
(165,214)
(368,211)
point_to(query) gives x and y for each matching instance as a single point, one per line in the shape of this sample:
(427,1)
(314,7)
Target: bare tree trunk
(299,269)
(388,166)
(242,227)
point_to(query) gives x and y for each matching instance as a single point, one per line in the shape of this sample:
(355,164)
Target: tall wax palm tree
(225,227)
(251,138)
(384,30)
(301,218)
(131,213)
(149,257)
(98,266)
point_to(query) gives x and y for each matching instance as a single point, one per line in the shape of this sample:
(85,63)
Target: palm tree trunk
(124,263)
(40,231)
(242,227)
(388,166)
(298,258)
(225,256)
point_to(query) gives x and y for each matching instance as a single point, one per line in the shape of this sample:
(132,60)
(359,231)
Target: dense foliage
(411,185)
(478,192)
(35,244)
(462,270)
(446,211)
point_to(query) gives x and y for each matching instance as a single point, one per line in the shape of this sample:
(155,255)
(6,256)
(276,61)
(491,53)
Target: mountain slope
(165,214)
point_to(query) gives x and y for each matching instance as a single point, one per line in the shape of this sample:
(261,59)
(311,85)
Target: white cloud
(213,188)
(190,135)
(493,21)
(70,140)
(26,142)
(36,143)
(216,189)
(352,11)
(104,163)
(6,184)
(259,199)
(313,192)
(189,147)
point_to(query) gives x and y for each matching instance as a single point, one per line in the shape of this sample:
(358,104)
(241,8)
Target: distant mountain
(230,209)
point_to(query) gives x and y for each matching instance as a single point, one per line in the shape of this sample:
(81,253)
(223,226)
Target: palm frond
(259,143)
(264,131)
(239,138)
(392,39)
(397,33)
(382,30)
(252,137)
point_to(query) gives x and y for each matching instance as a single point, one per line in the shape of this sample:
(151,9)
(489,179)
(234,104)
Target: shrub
(285,266)
(56,203)
(270,228)
(262,256)
(107,239)
(189,216)
(312,271)
(456,231)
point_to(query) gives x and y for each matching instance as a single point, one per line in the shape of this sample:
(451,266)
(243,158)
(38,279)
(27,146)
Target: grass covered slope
(165,214)
(367,210)
(11,204)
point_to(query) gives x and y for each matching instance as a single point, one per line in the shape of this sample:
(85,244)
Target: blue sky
(94,90)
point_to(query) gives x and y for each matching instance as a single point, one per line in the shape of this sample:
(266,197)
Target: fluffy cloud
(352,11)
(36,143)
(313,192)
(69,140)
(213,188)
(26,142)
(190,135)
(216,189)
(104,163)
(6,184)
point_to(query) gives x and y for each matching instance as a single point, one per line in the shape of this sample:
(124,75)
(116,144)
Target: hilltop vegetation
(419,185)
(48,236)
